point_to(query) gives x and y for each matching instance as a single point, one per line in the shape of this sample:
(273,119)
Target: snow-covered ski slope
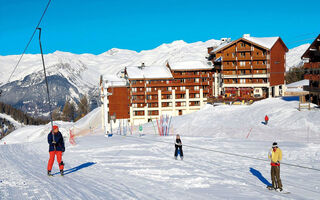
(133,167)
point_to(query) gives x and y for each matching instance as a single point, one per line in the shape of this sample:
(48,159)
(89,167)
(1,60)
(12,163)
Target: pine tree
(83,107)
(68,112)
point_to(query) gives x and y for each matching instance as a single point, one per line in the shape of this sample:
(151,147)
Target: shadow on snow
(257,174)
(74,169)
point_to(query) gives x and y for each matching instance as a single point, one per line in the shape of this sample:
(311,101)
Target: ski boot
(49,173)
(270,187)
(61,172)
(175,158)
(181,157)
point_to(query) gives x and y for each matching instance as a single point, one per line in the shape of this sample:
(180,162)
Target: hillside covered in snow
(225,157)
(72,75)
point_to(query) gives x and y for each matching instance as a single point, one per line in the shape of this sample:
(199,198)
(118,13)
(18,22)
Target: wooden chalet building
(311,60)
(251,66)
(175,89)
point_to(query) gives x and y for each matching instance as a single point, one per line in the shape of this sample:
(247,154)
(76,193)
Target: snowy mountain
(293,58)
(72,75)
(225,157)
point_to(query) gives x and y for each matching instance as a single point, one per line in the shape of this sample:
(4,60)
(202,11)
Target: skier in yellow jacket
(275,156)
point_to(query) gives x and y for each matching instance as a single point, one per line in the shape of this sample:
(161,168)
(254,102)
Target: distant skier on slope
(56,147)
(275,155)
(178,147)
(266,119)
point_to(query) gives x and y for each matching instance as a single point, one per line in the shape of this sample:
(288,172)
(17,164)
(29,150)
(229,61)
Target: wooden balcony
(188,76)
(312,65)
(247,66)
(261,57)
(229,67)
(247,57)
(229,58)
(259,66)
(246,48)
(137,93)
(313,77)
(138,101)
(152,100)
(311,89)
(137,84)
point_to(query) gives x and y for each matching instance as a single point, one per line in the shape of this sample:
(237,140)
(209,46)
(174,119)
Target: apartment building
(176,89)
(311,60)
(251,66)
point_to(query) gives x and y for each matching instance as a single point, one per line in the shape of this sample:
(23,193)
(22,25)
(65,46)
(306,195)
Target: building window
(197,95)
(197,79)
(196,88)
(242,54)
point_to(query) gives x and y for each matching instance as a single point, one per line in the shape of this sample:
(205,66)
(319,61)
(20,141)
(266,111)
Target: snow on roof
(190,65)
(221,46)
(266,42)
(298,84)
(148,72)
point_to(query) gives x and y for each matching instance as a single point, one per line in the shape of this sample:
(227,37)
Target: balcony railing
(259,66)
(313,77)
(229,67)
(256,57)
(137,84)
(247,57)
(312,65)
(311,89)
(137,93)
(247,48)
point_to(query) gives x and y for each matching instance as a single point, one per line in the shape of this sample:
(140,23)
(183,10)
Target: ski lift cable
(226,153)
(25,49)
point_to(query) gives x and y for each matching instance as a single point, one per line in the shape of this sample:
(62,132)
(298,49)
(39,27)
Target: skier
(178,146)
(266,119)
(56,147)
(275,156)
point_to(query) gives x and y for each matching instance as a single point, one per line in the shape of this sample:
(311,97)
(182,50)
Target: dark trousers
(275,177)
(176,151)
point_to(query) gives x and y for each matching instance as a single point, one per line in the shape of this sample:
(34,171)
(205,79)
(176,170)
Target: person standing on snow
(275,156)
(178,146)
(56,147)
(266,119)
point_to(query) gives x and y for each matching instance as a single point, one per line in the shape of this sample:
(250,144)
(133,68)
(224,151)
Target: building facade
(175,89)
(251,67)
(311,60)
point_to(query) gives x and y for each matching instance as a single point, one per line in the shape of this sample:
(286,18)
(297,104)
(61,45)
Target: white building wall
(171,111)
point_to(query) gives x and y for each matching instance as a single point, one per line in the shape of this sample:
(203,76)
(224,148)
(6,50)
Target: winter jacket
(59,146)
(275,157)
(178,143)
(266,118)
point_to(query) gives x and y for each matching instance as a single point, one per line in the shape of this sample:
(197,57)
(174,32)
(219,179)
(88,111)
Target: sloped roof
(264,42)
(298,83)
(148,72)
(190,65)
(305,54)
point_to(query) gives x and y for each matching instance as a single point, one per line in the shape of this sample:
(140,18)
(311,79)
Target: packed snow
(133,167)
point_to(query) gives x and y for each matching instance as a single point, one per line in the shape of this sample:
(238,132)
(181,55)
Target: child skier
(178,147)
(275,155)
(266,119)
(56,147)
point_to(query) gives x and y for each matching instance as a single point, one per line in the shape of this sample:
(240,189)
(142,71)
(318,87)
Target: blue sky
(95,26)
